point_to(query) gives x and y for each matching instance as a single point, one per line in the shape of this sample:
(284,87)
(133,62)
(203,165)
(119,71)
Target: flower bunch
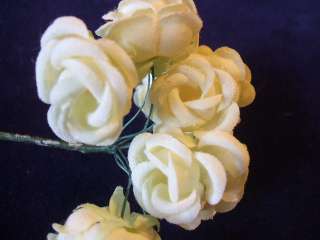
(185,165)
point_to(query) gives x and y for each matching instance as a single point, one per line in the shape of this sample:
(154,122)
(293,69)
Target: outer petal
(171,144)
(227,149)
(214,177)
(137,148)
(230,61)
(65,26)
(171,208)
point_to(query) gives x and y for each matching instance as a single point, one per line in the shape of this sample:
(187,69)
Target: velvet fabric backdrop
(280,42)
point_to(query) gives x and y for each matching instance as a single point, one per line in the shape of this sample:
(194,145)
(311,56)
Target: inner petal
(189,92)
(82,106)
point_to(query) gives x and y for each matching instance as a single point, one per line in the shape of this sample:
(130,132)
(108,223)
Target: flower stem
(121,164)
(146,125)
(124,158)
(131,136)
(4,136)
(124,204)
(150,79)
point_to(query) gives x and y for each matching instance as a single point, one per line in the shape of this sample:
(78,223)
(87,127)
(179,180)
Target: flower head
(88,83)
(201,92)
(90,222)
(185,181)
(147,29)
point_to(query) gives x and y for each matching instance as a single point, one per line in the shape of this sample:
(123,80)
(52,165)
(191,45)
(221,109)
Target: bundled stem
(82,148)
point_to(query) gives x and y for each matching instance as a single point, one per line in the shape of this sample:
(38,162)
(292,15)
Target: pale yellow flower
(87,82)
(193,95)
(90,222)
(148,29)
(186,179)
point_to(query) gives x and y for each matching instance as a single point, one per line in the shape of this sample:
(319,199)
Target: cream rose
(186,180)
(193,95)
(147,28)
(88,83)
(90,222)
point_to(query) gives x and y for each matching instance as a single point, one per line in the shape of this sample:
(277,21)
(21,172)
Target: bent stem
(150,81)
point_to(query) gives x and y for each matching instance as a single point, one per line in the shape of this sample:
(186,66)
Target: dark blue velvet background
(280,42)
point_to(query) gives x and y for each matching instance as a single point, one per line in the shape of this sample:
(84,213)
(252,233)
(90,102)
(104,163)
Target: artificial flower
(90,222)
(186,180)
(149,29)
(87,82)
(193,95)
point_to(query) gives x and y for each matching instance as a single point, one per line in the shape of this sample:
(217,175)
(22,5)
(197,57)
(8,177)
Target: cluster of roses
(191,167)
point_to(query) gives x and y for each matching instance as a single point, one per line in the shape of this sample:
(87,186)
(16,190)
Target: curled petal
(214,177)
(229,60)
(171,144)
(140,173)
(137,148)
(64,27)
(233,154)
(187,217)
(167,207)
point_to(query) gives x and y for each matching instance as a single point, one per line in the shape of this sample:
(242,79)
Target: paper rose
(88,83)
(193,95)
(183,184)
(90,222)
(147,29)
